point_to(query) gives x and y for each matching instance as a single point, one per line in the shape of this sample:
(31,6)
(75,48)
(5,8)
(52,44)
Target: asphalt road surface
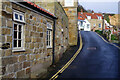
(97,59)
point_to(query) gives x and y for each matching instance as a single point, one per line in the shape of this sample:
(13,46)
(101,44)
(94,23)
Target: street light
(103,24)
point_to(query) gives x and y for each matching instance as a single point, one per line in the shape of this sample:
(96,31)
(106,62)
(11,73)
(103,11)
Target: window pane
(47,32)
(47,43)
(20,27)
(15,43)
(15,34)
(47,37)
(21,18)
(19,35)
(69,3)
(16,16)
(15,26)
(19,43)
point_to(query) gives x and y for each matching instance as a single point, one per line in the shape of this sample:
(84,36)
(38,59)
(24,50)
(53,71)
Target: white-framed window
(69,3)
(18,38)
(88,25)
(94,25)
(49,35)
(81,24)
(99,25)
(99,17)
(88,17)
(18,16)
(18,31)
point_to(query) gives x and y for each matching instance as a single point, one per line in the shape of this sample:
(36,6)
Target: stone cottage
(31,38)
(70,8)
(62,37)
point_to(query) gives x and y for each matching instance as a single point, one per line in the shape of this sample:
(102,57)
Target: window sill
(49,47)
(18,50)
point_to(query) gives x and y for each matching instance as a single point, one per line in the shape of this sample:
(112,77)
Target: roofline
(35,8)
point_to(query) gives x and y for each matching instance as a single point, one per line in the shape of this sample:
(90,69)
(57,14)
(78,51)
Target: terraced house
(31,38)
(95,19)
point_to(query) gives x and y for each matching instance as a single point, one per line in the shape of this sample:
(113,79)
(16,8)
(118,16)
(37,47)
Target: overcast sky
(104,6)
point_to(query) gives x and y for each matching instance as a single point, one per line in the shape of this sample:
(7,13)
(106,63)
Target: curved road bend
(97,59)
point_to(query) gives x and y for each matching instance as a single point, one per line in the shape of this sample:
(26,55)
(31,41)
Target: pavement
(65,58)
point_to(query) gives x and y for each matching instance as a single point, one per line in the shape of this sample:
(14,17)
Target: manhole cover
(91,48)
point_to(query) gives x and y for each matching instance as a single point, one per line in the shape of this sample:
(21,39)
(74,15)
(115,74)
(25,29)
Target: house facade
(70,7)
(62,26)
(95,19)
(31,38)
(83,25)
(114,20)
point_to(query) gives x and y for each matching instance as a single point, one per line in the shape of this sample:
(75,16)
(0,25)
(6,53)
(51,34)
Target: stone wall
(61,32)
(72,16)
(71,12)
(0,40)
(47,4)
(36,57)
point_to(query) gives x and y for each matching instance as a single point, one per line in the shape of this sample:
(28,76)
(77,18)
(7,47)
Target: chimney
(81,11)
(92,12)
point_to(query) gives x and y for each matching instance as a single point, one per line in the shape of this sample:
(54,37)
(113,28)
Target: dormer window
(99,17)
(18,16)
(88,17)
(69,3)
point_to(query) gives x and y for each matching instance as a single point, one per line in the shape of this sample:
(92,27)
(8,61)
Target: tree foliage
(81,7)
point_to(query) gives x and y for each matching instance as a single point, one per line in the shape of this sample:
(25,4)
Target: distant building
(83,24)
(95,20)
(114,20)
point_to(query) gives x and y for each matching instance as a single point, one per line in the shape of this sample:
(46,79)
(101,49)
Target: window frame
(22,37)
(99,17)
(88,17)
(99,25)
(19,14)
(94,25)
(88,26)
(71,4)
(49,36)
(18,22)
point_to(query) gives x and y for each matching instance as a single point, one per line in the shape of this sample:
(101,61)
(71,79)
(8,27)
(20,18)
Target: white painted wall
(85,26)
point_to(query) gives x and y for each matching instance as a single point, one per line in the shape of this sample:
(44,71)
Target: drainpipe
(53,54)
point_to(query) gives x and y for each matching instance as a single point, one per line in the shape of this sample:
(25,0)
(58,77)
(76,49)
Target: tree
(81,7)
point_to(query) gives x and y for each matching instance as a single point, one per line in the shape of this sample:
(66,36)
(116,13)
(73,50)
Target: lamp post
(103,24)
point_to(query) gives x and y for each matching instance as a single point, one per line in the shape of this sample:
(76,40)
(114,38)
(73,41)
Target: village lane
(97,59)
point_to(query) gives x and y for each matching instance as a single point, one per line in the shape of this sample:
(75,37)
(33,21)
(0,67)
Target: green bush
(113,37)
(99,32)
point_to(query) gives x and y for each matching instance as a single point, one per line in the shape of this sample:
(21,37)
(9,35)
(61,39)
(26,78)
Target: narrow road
(97,59)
